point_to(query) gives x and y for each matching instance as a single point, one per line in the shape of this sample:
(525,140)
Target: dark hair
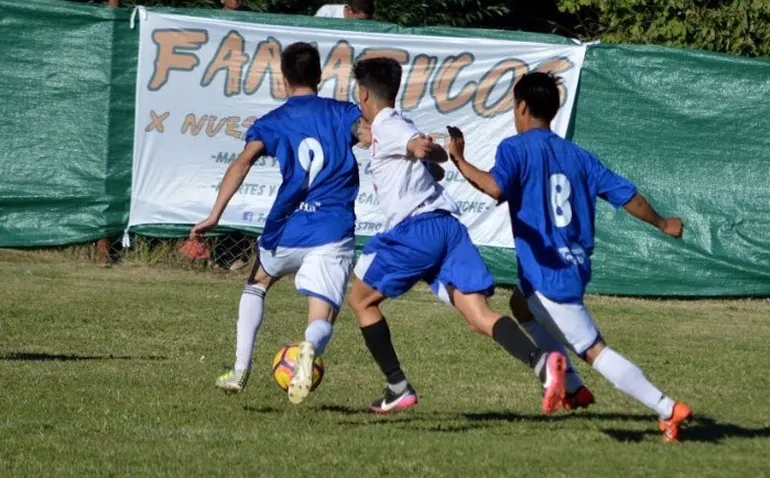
(362,6)
(382,76)
(540,91)
(301,65)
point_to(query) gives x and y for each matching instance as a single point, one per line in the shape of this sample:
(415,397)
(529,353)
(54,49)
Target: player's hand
(364,133)
(421,146)
(673,226)
(203,227)
(455,145)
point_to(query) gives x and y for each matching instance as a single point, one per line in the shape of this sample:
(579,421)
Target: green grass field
(110,372)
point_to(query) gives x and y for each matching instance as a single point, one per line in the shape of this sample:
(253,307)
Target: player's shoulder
(394,119)
(580,152)
(342,111)
(511,141)
(510,144)
(271,116)
(335,103)
(584,152)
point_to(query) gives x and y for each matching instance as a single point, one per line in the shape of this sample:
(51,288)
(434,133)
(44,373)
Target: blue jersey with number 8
(551,186)
(311,138)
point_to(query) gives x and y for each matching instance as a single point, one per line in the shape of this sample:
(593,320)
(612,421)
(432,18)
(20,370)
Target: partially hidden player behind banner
(309,230)
(422,240)
(353,10)
(551,186)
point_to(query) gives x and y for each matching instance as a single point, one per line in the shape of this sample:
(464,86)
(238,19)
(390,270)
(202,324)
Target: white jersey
(331,11)
(404,185)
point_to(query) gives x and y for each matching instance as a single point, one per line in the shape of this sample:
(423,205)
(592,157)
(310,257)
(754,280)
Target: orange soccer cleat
(581,398)
(680,415)
(554,391)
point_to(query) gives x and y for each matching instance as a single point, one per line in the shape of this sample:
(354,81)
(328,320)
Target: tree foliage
(732,26)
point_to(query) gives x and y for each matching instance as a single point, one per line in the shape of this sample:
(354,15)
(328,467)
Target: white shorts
(321,271)
(571,324)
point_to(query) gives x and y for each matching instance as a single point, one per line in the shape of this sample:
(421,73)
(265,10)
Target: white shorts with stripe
(571,324)
(321,271)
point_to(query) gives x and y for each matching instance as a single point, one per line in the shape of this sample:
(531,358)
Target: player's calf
(250,315)
(398,394)
(550,368)
(628,378)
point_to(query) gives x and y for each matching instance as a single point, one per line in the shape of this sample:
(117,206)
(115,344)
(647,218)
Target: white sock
(250,312)
(318,333)
(548,343)
(629,379)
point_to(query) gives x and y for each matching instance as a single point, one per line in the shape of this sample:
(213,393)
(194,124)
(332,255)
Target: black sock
(377,338)
(515,341)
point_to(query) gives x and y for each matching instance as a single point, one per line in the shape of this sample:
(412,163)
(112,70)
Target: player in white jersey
(422,240)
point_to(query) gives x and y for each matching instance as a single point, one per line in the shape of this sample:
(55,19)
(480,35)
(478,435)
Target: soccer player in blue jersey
(309,230)
(423,240)
(551,186)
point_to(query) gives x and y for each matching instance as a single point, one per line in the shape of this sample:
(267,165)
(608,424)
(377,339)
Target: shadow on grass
(518,417)
(43,357)
(491,416)
(702,429)
(343,410)
(447,422)
(262,409)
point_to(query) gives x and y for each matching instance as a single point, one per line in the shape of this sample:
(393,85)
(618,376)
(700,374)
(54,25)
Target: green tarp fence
(691,128)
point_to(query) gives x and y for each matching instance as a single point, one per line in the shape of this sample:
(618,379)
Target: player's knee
(262,281)
(593,352)
(366,313)
(519,307)
(320,309)
(260,277)
(358,299)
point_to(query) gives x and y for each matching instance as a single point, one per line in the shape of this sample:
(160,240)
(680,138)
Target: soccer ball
(283,367)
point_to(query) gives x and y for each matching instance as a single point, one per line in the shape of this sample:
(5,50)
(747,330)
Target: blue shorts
(434,247)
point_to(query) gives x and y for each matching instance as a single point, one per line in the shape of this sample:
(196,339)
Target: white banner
(201,82)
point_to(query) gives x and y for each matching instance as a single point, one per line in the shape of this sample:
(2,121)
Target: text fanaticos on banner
(202,82)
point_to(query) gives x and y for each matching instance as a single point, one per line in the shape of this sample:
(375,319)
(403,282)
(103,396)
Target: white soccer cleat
(232,381)
(302,380)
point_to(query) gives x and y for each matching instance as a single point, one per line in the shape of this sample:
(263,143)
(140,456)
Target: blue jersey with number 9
(311,138)
(551,186)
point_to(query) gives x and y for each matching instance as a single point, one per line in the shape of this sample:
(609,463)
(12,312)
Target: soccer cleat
(232,381)
(302,380)
(681,414)
(582,398)
(555,391)
(391,402)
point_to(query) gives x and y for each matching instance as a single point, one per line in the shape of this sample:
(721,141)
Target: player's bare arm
(232,180)
(641,209)
(481,180)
